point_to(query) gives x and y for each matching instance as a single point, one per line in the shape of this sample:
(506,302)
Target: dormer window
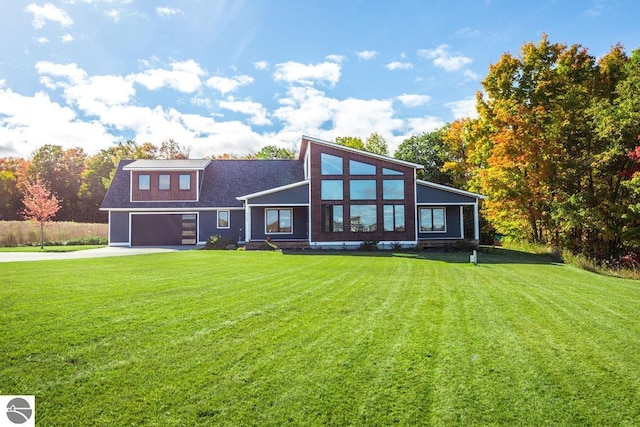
(144,182)
(185,182)
(164,182)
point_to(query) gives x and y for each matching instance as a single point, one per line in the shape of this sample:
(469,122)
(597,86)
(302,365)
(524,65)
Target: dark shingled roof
(222,182)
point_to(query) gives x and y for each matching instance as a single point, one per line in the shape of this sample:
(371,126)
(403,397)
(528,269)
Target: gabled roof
(227,179)
(221,181)
(450,189)
(304,144)
(169,164)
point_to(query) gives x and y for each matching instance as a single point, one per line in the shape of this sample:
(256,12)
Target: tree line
(555,147)
(80,181)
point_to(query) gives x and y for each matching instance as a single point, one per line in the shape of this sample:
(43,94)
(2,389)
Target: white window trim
(218,219)
(269,233)
(444,209)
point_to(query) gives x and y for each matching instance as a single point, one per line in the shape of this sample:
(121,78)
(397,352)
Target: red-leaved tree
(40,204)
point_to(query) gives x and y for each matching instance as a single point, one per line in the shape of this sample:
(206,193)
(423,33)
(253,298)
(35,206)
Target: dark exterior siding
(297,195)
(119,227)
(432,195)
(318,235)
(209,225)
(453,225)
(300,224)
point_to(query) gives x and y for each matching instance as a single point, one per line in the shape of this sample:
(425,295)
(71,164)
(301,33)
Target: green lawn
(266,339)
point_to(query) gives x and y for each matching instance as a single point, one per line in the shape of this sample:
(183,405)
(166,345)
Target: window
(331,189)
(330,165)
(332,218)
(393,189)
(386,171)
(223,219)
(432,219)
(164,182)
(278,220)
(359,168)
(363,218)
(144,182)
(185,182)
(362,189)
(393,217)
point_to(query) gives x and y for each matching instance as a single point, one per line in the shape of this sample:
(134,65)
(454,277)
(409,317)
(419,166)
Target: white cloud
(28,122)
(48,12)
(105,102)
(113,14)
(99,93)
(66,38)
(307,110)
(471,75)
(101,109)
(467,32)
(42,40)
(256,112)
(418,125)
(183,76)
(463,108)
(72,72)
(412,100)
(201,101)
(366,55)
(91,94)
(225,85)
(443,59)
(336,58)
(596,9)
(167,11)
(295,72)
(304,107)
(396,65)
(261,65)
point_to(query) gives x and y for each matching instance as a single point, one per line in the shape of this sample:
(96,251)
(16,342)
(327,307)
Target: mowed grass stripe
(233,338)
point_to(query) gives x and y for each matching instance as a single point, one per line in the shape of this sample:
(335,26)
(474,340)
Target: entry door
(189,227)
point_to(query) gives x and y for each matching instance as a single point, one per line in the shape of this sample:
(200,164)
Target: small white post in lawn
(473,258)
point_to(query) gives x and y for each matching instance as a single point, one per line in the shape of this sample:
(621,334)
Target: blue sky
(233,76)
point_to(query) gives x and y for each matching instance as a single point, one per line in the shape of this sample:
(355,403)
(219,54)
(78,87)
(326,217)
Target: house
(331,196)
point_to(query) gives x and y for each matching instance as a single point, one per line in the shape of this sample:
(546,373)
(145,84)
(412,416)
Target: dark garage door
(163,230)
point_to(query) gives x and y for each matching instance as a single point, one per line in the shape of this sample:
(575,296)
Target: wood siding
(317,233)
(172,194)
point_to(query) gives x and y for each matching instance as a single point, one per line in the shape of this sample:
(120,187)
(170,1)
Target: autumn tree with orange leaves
(550,148)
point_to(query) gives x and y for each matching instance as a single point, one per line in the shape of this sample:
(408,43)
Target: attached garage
(164,229)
